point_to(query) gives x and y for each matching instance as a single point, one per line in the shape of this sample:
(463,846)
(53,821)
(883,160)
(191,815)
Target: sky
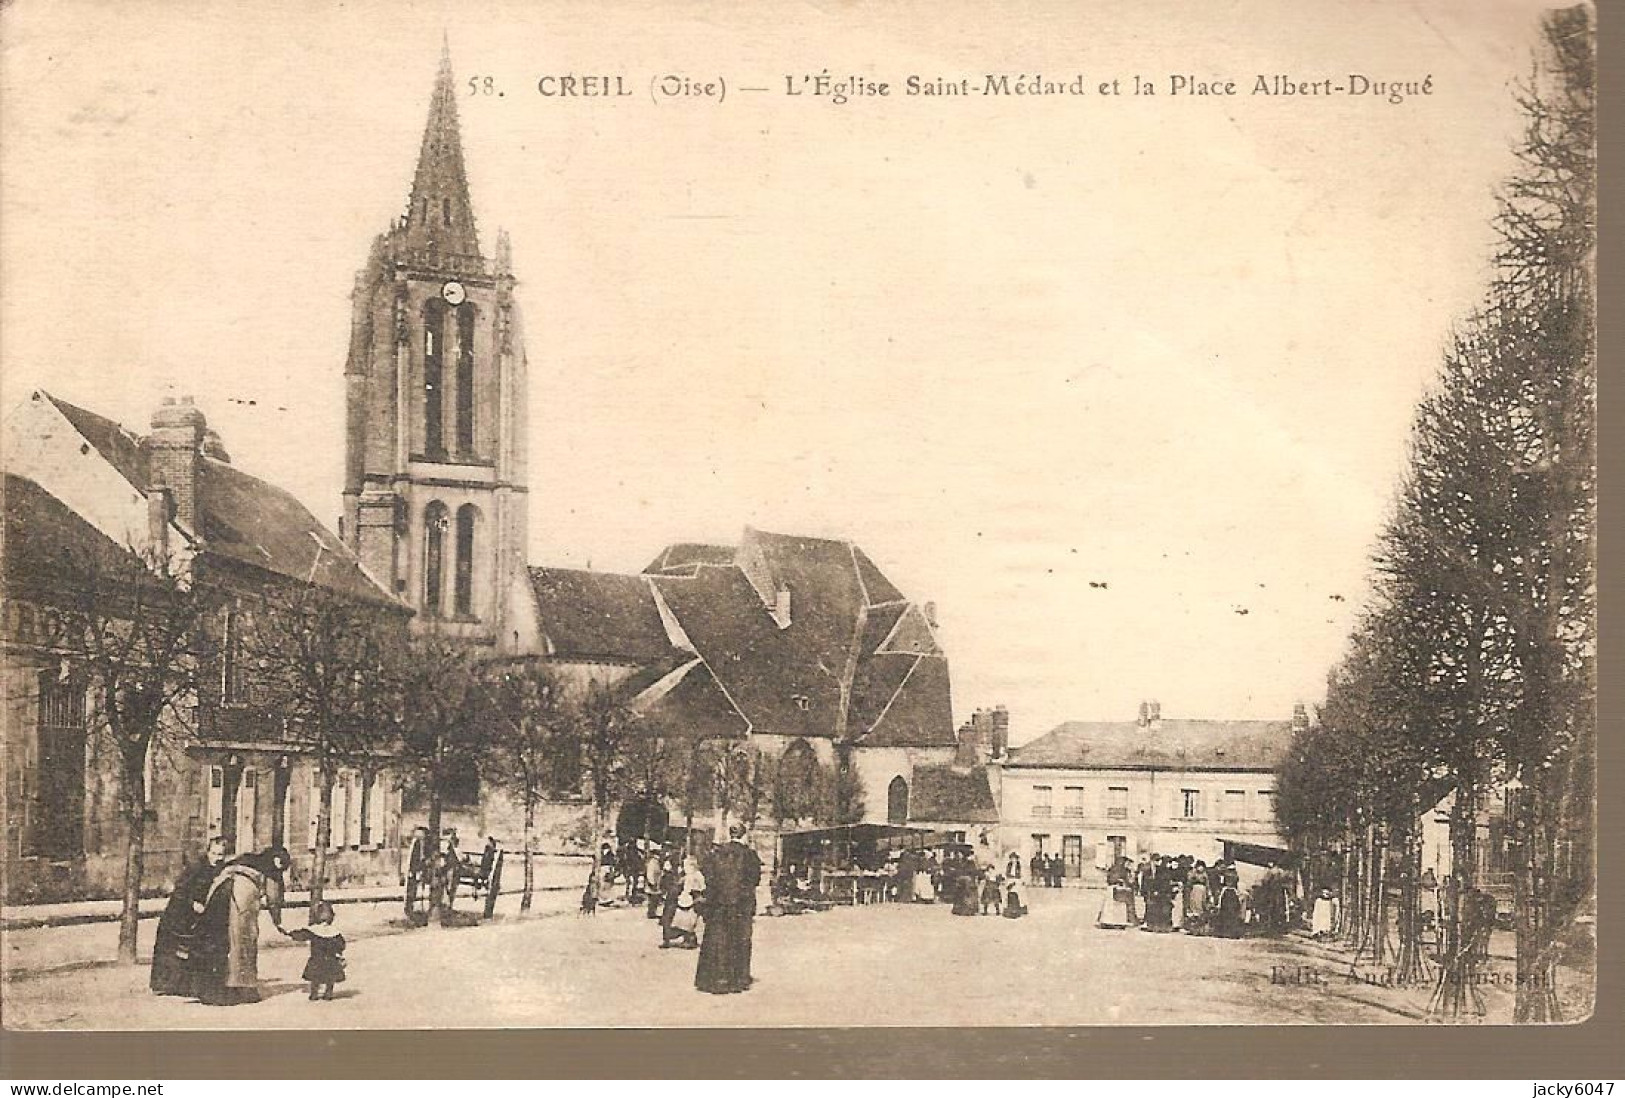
(1121,383)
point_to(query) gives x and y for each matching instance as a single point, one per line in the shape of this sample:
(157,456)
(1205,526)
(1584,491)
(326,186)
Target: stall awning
(1252,853)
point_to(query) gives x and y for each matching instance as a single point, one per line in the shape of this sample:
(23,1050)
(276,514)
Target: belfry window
(463,596)
(434,556)
(434,370)
(445,211)
(465,380)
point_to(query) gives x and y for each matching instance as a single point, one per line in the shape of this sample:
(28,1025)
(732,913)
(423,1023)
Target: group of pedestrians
(207,944)
(1168,894)
(1046,870)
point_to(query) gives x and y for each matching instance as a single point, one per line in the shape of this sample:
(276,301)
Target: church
(787,643)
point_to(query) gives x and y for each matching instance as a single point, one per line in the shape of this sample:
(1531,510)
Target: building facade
(225,765)
(1091,791)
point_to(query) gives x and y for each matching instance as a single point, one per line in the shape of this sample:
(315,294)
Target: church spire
(439,215)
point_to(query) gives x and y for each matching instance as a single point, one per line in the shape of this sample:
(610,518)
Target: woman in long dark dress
(177,928)
(228,940)
(1227,913)
(967,888)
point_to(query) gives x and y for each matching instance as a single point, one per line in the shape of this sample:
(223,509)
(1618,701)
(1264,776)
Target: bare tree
(128,622)
(322,658)
(531,722)
(441,717)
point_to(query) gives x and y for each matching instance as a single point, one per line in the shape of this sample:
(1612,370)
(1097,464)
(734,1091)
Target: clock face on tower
(453,293)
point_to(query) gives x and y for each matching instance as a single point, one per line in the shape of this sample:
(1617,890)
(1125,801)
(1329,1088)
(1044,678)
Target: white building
(1090,790)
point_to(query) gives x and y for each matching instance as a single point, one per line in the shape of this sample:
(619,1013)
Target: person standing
(1012,867)
(325,966)
(227,958)
(732,873)
(177,929)
(1117,905)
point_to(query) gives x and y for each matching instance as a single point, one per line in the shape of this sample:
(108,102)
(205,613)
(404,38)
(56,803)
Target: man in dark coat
(732,872)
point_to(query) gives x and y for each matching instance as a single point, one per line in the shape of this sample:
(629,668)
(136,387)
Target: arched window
(434,373)
(463,598)
(445,211)
(465,380)
(434,556)
(897,801)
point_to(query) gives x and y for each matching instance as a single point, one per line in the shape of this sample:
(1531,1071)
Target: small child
(326,965)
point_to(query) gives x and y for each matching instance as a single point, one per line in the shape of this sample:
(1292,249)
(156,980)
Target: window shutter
(315,803)
(286,808)
(338,813)
(375,810)
(214,805)
(352,794)
(247,798)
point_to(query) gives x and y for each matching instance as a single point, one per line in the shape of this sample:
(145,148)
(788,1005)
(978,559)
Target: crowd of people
(1179,893)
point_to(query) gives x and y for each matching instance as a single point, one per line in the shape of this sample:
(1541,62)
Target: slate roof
(684,558)
(1177,745)
(599,616)
(751,675)
(40,531)
(943,794)
(241,518)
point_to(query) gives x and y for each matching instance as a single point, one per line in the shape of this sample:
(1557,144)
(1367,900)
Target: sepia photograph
(610,516)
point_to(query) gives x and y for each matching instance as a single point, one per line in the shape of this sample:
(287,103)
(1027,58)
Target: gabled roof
(750,672)
(788,681)
(599,616)
(1176,745)
(241,518)
(943,794)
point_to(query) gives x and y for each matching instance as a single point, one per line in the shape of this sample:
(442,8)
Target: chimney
(1145,714)
(931,614)
(1154,715)
(158,513)
(965,744)
(781,607)
(177,437)
(1001,732)
(1300,717)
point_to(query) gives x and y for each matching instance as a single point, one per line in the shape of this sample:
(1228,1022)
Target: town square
(625,584)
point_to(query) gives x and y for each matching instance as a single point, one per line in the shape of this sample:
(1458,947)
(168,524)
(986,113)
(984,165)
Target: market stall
(854,864)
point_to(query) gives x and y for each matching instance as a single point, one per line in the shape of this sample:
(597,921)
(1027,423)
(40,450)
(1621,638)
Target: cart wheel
(493,887)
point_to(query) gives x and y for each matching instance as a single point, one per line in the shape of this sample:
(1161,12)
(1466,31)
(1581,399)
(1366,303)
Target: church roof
(241,518)
(945,794)
(746,670)
(788,681)
(684,558)
(1170,745)
(599,616)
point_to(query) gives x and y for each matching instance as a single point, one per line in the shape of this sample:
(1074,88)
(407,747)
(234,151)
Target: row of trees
(1474,667)
(160,645)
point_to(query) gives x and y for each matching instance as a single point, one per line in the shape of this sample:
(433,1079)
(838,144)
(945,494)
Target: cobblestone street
(876,965)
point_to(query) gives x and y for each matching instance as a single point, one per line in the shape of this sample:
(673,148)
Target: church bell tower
(434,476)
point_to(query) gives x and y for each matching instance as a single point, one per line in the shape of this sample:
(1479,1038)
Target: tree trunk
(324,835)
(437,860)
(135,817)
(530,870)
(1410,967)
